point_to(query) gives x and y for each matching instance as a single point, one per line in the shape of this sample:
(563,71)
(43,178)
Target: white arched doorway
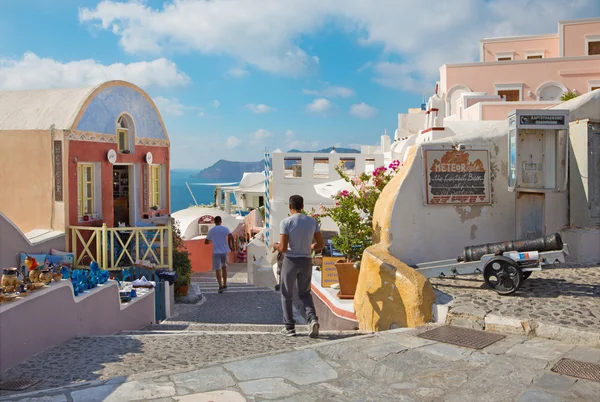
(452,98)
(550,91)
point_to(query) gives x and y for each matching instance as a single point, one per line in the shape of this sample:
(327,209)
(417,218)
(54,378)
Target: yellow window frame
(122,146)
(155,185)
(82,198)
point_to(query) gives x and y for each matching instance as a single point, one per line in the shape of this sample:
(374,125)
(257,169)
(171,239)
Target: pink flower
(344,193)
(395,164)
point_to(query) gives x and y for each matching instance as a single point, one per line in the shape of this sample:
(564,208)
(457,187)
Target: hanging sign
(206,220)
(145,197)
(58,171)
(112,156)
(457,177)
(329,275)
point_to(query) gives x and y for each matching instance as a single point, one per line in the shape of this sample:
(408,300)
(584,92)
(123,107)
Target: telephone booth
(538,168)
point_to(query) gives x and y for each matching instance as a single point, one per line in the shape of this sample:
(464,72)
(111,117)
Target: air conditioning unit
(204,229)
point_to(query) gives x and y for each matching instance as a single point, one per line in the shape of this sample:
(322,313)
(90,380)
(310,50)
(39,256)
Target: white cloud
(261,134)
(260,108)
(400,76)
(216,103)
(233,142)
(172,106)
(363,110)
(238,72)
(319,106)
(290,134)
(34,72)
(269,37)
(331,92)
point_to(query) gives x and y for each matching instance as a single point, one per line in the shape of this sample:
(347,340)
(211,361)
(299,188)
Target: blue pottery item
(133,293)
(66,274)
(22,288)
(126,275)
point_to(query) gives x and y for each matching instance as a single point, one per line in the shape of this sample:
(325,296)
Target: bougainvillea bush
(353,209)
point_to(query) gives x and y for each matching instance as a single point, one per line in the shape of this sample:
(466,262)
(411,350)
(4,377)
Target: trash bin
(167,276)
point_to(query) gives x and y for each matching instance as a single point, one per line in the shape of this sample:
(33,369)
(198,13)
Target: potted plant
(353,214)
(181,263)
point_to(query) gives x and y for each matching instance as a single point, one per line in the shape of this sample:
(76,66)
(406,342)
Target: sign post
(329,274)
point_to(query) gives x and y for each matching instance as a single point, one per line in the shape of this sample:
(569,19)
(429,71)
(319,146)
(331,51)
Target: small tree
(181,259)
(353,210)
(568,96)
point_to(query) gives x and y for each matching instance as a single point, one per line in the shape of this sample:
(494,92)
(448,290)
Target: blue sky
(232,76)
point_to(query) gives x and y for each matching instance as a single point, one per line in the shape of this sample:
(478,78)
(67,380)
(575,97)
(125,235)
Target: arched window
(550,91)
(125,134)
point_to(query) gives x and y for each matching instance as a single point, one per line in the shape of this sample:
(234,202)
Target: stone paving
(104,357)
(565,297)
(393,365)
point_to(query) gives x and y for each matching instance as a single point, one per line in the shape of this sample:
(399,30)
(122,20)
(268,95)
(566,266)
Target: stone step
(207,327)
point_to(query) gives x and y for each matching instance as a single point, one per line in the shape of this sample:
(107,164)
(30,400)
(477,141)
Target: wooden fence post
(104,248)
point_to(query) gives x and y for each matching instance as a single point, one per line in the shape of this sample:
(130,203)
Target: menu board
(457,177)
(329,275)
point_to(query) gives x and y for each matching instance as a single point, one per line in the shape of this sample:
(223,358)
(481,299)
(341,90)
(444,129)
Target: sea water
(202,189)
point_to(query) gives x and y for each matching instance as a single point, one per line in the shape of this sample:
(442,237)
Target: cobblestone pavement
(387,366)
(566,297)
(100,358)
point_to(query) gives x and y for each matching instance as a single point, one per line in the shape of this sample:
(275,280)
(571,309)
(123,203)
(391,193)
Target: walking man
(296,244)
(222,241)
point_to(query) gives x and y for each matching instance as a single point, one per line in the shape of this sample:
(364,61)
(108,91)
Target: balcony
(116,248)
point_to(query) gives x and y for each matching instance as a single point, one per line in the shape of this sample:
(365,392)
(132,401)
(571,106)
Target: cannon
(504,265)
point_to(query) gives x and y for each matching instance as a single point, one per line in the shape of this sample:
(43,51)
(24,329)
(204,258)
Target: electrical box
(584,174)
(538,149)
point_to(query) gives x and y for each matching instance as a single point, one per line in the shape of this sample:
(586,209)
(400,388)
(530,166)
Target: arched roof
(85,109)
(39,109)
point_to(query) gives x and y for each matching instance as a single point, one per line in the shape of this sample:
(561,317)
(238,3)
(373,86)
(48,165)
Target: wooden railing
(116,248)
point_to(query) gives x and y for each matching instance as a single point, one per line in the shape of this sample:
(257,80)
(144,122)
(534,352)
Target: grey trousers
(296,271)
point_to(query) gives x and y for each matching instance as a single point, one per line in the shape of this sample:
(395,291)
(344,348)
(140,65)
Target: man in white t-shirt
(222,241)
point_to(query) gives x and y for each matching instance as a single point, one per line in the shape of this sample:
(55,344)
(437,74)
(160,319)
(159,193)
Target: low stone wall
(52,316)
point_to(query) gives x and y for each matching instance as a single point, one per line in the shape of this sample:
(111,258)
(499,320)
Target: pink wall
(54,316)
(574,37)
(550,45)
(500,111)
(479,77)
(201,255)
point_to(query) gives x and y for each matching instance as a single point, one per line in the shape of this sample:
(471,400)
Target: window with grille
(154,185)
(539,56)
(85,189)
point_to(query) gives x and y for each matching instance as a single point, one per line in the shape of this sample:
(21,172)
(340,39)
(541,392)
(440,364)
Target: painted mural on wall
(457,177)
(103,111)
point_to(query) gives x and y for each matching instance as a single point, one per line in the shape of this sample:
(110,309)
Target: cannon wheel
(503,275)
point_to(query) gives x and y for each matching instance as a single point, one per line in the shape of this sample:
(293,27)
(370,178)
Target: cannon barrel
(547,243)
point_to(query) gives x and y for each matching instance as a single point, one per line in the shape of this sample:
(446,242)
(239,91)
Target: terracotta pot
(57,277)
(182,290)
(348,278)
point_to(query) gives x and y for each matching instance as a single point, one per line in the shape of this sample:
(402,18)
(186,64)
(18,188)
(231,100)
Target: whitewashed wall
(423,232)
(284,187)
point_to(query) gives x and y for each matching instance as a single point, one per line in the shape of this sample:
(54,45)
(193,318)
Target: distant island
(233,171)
